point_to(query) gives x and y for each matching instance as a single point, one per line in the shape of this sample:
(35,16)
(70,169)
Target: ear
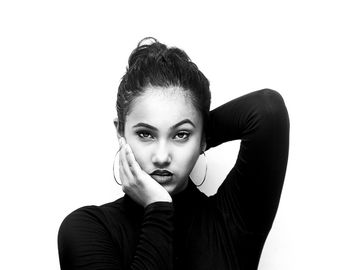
(116,124)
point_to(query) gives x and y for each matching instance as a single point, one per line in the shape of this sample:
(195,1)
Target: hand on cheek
(141,187)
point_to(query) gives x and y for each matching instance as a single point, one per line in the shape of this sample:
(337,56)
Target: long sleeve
(85,241)
(251,191)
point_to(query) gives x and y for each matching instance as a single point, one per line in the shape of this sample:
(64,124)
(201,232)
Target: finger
(124,167)
(135,168)
(122,176)
(121,170)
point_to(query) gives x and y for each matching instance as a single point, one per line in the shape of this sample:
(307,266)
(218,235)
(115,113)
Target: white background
(60,66)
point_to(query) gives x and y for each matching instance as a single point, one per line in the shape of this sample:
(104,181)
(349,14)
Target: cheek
(143,160)
(138,150)
(187,158)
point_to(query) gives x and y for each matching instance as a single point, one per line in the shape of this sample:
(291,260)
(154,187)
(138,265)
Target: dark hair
(154,64)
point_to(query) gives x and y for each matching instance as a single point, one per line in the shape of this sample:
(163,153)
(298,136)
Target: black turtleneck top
(223,231)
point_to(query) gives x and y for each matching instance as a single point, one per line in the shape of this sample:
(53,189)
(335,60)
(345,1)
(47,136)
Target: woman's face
(164,131)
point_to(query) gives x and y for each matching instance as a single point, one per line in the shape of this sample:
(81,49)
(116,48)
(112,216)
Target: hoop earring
(113,166)
(206,168)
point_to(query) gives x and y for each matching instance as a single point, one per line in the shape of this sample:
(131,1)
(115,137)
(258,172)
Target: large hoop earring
(206,168)
(113,166)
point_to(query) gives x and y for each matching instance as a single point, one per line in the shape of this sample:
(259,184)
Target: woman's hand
(140,186)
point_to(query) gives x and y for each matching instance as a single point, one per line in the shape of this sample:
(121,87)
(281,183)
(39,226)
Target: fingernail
(122,141)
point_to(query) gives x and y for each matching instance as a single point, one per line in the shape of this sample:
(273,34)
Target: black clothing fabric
(223,231)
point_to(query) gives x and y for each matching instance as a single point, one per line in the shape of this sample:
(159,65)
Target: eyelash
(139,133)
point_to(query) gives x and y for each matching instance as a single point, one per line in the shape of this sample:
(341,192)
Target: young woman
(163,221)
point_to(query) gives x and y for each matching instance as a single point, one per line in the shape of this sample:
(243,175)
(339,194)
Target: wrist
(159,200)
(159,205)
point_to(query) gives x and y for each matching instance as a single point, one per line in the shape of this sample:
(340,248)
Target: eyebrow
(172,127)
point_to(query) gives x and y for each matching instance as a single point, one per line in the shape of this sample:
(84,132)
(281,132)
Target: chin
(173,189)
(169,188)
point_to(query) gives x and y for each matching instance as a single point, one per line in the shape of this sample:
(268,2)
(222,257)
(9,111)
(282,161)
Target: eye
(144,134)
(182,135)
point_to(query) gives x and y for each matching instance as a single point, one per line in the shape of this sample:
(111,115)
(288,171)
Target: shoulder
(87,215)
(91,219)
(87,234)
(83,223)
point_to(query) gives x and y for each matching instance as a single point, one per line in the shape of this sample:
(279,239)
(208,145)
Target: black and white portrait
(174,135)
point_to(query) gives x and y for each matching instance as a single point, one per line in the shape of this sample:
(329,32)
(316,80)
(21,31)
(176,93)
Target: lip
(162,178)
(161,173)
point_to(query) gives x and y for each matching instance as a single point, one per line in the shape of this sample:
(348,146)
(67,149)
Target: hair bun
(147,41)
(148,49)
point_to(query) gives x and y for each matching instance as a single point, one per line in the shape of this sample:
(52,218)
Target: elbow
(273,103)
(274,117)
(271,97)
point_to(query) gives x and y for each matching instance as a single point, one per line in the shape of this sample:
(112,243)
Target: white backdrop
(60,65)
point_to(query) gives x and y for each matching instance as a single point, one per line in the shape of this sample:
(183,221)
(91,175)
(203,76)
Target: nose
(161,156)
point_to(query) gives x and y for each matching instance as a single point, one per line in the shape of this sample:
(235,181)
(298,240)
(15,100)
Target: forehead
(163,107)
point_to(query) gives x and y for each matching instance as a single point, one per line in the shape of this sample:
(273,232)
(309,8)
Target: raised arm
(85,241)
(251,192)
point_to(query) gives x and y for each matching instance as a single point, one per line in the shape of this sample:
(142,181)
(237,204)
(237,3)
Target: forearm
(154,250)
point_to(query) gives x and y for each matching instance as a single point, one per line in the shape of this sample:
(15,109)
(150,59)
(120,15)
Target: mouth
(162,176)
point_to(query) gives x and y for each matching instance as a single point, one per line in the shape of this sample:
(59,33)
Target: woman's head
(154,64)
(163,108)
